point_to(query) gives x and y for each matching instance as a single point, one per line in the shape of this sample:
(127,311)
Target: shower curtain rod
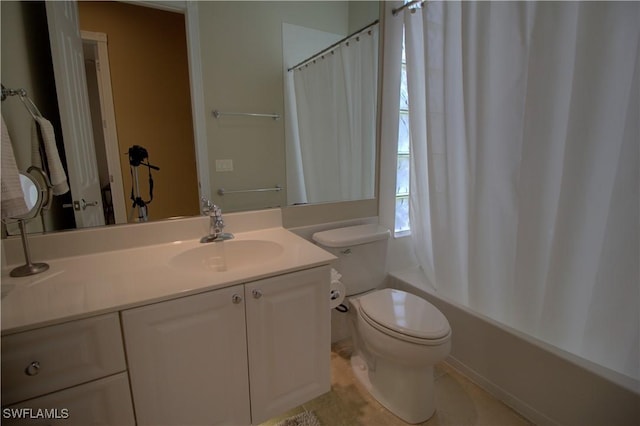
(397,10)
(312,57)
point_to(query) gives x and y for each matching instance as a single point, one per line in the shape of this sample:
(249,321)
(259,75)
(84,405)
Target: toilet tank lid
(351,235)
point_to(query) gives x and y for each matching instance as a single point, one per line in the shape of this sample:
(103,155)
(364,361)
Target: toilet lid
(405,313)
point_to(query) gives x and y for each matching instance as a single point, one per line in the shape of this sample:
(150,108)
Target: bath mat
(303,419)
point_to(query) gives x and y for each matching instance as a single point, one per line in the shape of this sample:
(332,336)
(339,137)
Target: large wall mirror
(279,137)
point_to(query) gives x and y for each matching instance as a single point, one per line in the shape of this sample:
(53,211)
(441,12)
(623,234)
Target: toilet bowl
(395,352)
(398,337)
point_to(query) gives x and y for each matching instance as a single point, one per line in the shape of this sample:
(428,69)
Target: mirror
(242,59)
(35,196)
(35,190)
(31,194)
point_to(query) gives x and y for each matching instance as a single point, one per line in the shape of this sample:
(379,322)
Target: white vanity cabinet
(288,330)
(188,360)
(75,370)
(238,355)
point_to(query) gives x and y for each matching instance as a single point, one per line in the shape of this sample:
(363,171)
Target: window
(402,225)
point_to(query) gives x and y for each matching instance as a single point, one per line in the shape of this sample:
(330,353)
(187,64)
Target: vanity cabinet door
(187,360)
(288,329)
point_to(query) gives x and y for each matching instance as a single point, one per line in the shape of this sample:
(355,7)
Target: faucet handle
(217,217)
(207,205)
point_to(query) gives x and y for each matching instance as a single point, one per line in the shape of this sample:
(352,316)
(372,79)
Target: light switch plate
(224,165)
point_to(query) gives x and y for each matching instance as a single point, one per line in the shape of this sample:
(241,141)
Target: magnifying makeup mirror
(35,196)
(31,193)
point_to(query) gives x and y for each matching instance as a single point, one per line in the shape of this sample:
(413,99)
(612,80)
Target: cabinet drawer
(57,357)
(101,402)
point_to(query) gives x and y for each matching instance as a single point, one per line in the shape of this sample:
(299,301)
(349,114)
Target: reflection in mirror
(331,102)
(249,48)
(244,61)
(137,72)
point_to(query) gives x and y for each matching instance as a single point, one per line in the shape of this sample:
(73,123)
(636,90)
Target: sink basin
(228,255)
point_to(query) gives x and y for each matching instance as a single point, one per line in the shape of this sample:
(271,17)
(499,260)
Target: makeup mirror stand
(37,195)
(29,268)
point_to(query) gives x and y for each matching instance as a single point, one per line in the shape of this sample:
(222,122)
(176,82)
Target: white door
(188,360)
(73,101)
(288,330)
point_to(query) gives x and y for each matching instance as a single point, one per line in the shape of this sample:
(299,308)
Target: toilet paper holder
(337,292)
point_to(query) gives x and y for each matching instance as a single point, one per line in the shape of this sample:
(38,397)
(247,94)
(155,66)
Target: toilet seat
(405,316)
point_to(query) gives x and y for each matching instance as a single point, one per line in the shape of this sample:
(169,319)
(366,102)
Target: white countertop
(86,285)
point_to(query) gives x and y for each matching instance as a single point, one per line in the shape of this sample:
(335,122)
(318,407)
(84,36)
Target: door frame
(107,111)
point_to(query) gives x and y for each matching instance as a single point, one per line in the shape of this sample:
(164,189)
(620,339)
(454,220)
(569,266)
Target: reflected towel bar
(223,191)
(218,114)
(12,92)
(26,100)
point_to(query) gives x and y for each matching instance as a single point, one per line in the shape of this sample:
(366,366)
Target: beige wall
(151,93)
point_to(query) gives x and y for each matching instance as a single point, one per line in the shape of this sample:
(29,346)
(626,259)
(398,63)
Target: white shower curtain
(524,187)
(335,97)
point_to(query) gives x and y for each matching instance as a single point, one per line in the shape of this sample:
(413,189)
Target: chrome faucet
(216,224)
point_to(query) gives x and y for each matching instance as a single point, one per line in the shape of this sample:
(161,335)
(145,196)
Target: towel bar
(223,191)
(218,114)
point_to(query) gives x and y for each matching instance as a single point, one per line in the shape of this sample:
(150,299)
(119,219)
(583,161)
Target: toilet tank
(361,251)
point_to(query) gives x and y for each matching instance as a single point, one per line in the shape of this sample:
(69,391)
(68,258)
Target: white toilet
(398,337)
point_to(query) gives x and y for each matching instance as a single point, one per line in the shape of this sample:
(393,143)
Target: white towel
(12,204)
(43,128)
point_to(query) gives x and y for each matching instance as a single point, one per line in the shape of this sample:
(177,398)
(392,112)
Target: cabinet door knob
(32,369)
(236,299)
(256,293)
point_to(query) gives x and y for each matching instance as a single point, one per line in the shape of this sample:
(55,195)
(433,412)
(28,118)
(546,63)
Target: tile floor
(458,401)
